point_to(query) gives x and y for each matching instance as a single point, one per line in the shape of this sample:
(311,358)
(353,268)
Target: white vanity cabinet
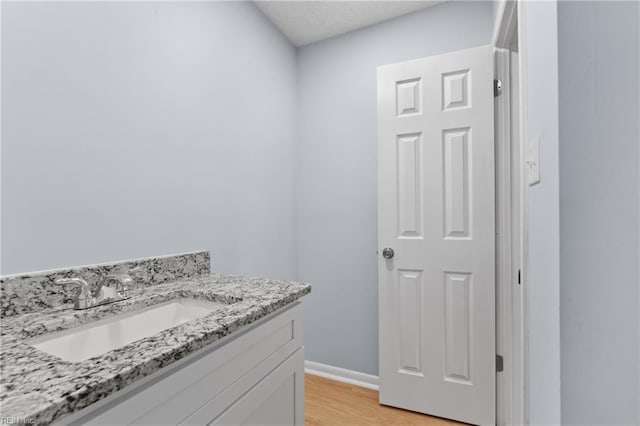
(254,376)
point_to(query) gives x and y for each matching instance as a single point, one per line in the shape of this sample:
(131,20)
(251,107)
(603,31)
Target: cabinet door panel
(278,399)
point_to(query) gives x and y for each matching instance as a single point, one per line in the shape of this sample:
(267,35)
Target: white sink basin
(97,338)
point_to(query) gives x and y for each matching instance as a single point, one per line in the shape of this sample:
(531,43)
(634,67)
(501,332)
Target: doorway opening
(451,232)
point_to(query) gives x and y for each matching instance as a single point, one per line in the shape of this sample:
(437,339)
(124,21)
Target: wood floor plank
(331,403)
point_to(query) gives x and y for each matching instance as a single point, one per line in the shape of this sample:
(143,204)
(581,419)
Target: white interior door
(436,212)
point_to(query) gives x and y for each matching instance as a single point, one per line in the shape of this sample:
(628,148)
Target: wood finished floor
(331,403)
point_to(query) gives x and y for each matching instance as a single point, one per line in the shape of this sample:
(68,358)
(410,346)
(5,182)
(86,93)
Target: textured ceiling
(304,22)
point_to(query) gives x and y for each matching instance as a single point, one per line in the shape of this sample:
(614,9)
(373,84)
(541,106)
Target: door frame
(511,221)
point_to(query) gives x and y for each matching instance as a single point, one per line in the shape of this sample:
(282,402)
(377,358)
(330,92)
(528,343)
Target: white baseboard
(341,375)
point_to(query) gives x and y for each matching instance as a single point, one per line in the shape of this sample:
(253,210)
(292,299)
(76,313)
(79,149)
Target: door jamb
(511,298)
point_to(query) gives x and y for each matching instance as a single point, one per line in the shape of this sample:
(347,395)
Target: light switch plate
(533,161)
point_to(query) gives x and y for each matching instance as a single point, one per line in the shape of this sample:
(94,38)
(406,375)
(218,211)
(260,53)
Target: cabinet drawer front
(277,399)
(177,395)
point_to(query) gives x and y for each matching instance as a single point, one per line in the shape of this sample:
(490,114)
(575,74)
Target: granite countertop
(39,388)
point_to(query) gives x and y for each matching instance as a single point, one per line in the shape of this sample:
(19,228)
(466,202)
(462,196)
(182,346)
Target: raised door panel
(409,180)
(458,330)
(457,183)
(408,94)
(409,290)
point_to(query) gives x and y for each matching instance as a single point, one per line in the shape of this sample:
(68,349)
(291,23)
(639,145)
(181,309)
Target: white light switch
(532,162)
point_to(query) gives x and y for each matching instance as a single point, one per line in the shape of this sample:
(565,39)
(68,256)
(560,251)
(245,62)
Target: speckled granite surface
(42,388)
(21,294)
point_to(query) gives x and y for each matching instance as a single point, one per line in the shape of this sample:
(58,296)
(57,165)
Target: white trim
(341,375)
(504,26)
(504,262)
(524,207)
(511,330)
(497,24)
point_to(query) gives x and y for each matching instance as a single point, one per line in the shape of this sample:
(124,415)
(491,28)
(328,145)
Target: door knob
(388,253)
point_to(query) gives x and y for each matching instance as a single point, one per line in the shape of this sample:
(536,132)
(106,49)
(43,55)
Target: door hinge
(499,363)
(519,279)
(497,87)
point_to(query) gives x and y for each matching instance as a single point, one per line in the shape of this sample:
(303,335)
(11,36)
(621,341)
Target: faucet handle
(138,274)
(83,299)
(123,281)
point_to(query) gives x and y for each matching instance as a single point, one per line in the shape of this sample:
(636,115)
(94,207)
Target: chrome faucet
(107,294)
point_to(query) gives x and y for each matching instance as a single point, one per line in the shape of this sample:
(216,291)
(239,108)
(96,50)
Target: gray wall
(599,187)
(538,33)
(337,170)
(139,129)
